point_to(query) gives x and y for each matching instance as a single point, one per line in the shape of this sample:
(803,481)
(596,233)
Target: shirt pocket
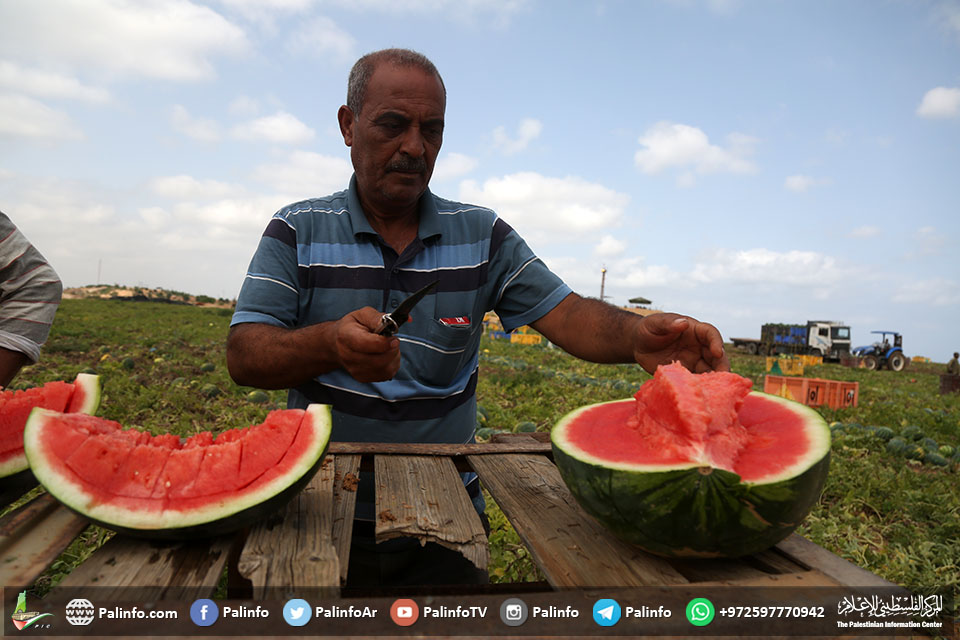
(439,353)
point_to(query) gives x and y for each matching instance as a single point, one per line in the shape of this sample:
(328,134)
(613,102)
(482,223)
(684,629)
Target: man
(953,367)
(327,269)
(30,292)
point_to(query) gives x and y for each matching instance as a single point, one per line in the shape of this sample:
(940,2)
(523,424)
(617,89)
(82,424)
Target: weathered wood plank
(423,497)
(522,445)
(161,570)
(346,476)
(799,579)
(571,548)
(294,547)
(32,536)
(813,556)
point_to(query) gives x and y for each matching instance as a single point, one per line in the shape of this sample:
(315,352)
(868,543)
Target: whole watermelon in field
(696,464)
(81,396)
(160,487)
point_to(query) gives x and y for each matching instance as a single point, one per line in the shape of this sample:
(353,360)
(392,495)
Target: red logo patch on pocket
(458,321)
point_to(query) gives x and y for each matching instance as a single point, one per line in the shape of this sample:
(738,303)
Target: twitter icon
(296,612)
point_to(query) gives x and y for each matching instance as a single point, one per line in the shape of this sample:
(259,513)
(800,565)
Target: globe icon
(80,612)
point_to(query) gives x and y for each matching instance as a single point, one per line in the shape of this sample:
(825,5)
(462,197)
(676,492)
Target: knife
(390,322)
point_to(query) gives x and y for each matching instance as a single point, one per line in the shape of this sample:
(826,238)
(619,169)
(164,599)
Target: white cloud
(800,183)
(807,268)
(305,174)
(498,13)
(244,107)
(25,117)
(322,38)
(46,84)
(184,187)
(202,129)
(173,40)
(543,207)
(609,247)
(940,102)
(451,166)
(281,127)
(865,231)
(529,130)
(933,291)
(668,145)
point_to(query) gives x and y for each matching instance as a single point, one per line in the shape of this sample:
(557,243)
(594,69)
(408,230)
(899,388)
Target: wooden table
(418,494)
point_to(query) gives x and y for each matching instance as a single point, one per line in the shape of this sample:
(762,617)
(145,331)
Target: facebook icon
(204,612)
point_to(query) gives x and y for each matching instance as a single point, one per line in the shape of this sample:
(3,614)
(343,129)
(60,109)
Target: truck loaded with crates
(817,337)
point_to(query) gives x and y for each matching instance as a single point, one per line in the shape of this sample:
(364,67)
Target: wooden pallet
(307,543)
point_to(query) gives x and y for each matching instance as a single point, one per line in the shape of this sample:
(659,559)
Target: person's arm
(596,331)
(270,357)
(30,292)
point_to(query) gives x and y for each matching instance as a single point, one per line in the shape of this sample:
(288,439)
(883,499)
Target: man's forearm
(268,357)
(591,330)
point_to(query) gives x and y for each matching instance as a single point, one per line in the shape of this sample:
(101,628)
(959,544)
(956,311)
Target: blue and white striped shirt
(320,259)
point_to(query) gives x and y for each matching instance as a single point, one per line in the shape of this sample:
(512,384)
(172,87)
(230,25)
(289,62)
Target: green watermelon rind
(644,504)
(221,515)
(15,471)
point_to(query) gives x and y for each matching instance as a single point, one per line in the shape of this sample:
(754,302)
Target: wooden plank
(160,570)
(346,476)
(294,546)
(812,556)
(799,579)
(521,445)
(32,536)
(423,497)
(569,546)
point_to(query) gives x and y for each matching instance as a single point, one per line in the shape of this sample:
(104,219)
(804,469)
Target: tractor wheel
(752,348)
(896,361)
(871,363)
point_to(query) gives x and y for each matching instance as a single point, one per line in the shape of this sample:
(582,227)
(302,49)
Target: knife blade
(390,322)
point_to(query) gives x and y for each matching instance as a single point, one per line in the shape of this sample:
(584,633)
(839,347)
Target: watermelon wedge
(695,465)
(165,488)
(81,396)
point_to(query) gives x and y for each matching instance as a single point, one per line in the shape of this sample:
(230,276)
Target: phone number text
(772,612)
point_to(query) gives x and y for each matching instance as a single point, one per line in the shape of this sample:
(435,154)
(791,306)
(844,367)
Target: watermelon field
(891,504)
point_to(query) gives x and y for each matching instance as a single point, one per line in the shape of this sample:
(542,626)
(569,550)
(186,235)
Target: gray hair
(363,70)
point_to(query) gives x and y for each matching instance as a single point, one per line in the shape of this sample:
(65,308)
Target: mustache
(408,164)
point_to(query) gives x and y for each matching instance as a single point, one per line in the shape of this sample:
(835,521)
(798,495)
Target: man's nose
(413,143)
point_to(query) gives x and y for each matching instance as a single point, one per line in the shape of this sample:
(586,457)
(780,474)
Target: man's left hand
(663,338)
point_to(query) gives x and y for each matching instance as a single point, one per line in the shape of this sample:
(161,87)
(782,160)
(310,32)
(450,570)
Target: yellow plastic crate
(792,366)
(811,361)
(521,338)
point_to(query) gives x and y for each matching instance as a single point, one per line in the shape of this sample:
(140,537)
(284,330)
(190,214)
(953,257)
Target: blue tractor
(883,354)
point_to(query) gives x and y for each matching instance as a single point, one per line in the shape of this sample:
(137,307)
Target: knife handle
(388,326)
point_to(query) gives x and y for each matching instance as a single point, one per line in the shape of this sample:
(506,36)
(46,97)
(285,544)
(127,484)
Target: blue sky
(741,161)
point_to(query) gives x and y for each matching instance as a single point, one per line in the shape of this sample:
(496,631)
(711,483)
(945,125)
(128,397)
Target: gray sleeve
(30,292)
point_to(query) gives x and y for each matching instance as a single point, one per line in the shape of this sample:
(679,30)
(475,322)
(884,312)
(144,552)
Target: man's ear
(346,120)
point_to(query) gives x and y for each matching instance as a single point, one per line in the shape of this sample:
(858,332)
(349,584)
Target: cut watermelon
(158,487)
(695,465)
(82,396)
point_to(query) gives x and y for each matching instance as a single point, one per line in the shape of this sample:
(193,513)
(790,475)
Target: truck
(825,338)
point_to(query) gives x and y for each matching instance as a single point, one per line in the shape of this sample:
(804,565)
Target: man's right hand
(270,357)
(366,356)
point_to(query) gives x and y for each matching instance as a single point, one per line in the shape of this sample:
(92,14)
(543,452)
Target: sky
(739,161)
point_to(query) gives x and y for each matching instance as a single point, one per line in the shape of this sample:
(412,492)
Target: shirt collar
(429,216)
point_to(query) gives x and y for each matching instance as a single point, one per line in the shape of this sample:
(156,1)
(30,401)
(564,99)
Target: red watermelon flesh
(115,463)
(705,419)
(81,396)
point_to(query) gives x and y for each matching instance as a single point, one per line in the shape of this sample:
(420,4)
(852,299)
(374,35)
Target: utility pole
(603,281)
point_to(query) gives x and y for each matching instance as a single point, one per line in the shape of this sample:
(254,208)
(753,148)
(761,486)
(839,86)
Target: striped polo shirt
(320,259)
(30,292)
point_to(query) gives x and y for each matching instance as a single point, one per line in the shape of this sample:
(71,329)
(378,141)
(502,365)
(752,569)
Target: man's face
(396,137)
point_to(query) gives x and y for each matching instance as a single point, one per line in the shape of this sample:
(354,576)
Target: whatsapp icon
(700,612)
